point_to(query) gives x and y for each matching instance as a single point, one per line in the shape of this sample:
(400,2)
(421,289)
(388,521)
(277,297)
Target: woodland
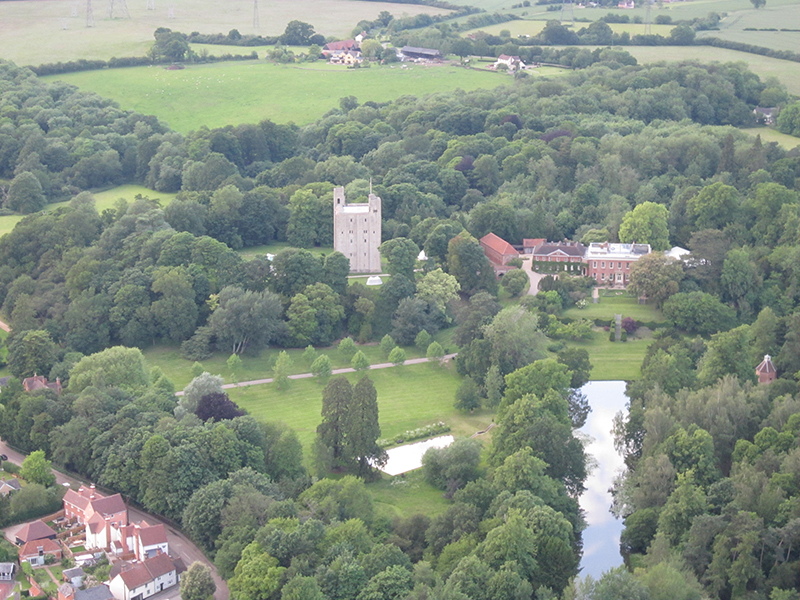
(611,152)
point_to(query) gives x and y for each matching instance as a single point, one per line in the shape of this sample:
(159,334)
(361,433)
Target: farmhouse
(346,57)
(512,63)
(342,46)
(141,580)
(610,264)
(499,252)
(357,231)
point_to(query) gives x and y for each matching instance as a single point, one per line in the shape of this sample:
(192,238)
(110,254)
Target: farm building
(499,252)
(411,52)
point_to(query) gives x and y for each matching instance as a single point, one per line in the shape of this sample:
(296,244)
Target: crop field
(785,141)
(775,15)
(33,32)
(205,95)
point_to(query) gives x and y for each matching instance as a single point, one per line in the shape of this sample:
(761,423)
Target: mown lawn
(178,369)
(408,397)
(614,303)
(614,361)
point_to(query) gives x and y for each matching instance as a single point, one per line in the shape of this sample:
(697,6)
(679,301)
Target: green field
(33,32)
(785,141)
(786,71)
(202,95)
(408,397)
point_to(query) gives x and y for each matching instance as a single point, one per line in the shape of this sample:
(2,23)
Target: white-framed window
(603,276)
(603,265)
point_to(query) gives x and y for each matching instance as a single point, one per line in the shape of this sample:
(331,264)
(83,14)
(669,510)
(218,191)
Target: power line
(89,14)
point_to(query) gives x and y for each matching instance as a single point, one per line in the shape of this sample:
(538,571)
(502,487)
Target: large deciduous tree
(467,262)
(29,353)
(25,194)
(646,224)
(37,469)
(197,583)
(656,276)
(401,256)
(245,319)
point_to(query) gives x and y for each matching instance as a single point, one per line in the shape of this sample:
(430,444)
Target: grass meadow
(202,95)
(103,199)
(33,32)
(785,141)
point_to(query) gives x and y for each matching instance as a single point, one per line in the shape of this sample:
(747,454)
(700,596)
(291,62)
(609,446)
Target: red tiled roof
(159,565)
(136,576)
(532,242)
(35,530)
(110,505)
(32,548)
(150,536)
(338,46)
(497,244)
(144,572)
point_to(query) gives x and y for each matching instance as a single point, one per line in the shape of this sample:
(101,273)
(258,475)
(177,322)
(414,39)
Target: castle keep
(357,232)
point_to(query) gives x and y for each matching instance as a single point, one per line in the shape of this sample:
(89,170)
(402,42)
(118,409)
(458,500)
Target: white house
(512,63)
(141,580)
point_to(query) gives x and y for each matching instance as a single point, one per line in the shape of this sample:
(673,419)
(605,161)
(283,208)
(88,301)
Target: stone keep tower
(357,231)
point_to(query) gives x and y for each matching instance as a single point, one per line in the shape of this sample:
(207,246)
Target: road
(179,544)
(411,361)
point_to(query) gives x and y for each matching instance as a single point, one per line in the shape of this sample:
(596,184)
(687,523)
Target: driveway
(534,277)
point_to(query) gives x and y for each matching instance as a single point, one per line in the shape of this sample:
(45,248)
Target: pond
(601,537)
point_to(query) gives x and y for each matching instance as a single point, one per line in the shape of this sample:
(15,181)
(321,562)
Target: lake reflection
(601,537)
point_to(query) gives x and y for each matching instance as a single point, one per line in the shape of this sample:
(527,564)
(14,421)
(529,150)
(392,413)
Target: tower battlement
(357,231)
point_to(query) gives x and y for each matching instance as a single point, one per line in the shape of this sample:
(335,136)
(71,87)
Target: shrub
(629,325)
(612,335)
